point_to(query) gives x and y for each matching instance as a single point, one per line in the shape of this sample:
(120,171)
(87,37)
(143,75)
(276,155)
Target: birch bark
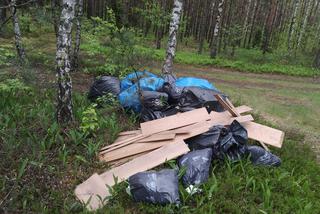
(293,25)
(172,41)
(304,24)
(214,45)
(64,99)
(17,32)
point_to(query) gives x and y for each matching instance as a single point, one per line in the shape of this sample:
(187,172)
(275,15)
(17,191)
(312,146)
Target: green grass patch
(253,63)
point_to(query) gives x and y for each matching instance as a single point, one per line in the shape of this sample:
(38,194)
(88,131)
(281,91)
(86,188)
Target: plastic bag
(133,77)
(197,165)
(155,187)
(232,143)
(173,92)
(104,85)
(205,140)
(260,156)
(130,98)
(148,114)
(192,81)
(154,100)
(195,97)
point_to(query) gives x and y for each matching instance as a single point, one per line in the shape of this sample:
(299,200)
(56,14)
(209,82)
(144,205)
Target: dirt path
(292,103)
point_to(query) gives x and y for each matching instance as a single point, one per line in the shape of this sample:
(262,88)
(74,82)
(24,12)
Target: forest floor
(42,163)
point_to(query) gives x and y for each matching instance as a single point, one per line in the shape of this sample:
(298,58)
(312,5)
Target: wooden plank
(121,161)
(133,132)
(145,162)
(243,109)
(174,121)
(125,142)
(131,149)
(226,105)
(86,190)
(93,191)
(265,134)
(157,137)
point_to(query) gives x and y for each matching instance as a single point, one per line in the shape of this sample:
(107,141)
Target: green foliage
(116,46)
(89,120)
(154,13)
(6,55)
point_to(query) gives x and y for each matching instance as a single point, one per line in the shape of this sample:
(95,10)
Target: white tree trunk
(214,44)
(17,32)
(305,22)
(293,25)
(64,105)
(172,41)
(75,61)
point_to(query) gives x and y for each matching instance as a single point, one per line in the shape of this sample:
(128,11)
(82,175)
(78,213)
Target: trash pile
(186,119)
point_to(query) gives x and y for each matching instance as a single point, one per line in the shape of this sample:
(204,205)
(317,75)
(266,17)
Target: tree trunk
(214,44)
(246,23)
(304,24)
(55,7)
(79,13)
(316,62)
(172,41)
(268,26)
(17,32)
(293,25)
(64,104)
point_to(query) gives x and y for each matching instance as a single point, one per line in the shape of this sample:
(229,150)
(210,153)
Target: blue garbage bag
(129,98)
(132,78)
(196,82)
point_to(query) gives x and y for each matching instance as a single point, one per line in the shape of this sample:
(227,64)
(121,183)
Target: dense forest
(260,53)
(290,26)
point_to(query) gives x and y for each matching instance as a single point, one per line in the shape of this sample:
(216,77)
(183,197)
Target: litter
(197,165)
(104,85)
(259,156)
(155,187)
(176,111)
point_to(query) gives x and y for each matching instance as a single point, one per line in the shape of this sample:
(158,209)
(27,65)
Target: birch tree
(214,44)
(17,32)
(304,24)
(63,66)
(172,41)
(79,13)
(293,25)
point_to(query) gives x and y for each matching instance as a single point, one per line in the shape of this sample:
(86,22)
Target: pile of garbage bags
(155,97)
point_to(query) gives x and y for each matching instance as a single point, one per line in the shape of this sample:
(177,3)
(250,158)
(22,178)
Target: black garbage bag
(205,140)
(226,142)
(154,100)
(104,85)
(173,91)
(155,187)
(197,165)
(259,156)
(147,114)
(196,97)
(232,143)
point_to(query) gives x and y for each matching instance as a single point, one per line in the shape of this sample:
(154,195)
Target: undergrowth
(42,164)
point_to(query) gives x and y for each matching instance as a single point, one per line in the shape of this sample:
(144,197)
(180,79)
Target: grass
(248,61)
(42,163)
